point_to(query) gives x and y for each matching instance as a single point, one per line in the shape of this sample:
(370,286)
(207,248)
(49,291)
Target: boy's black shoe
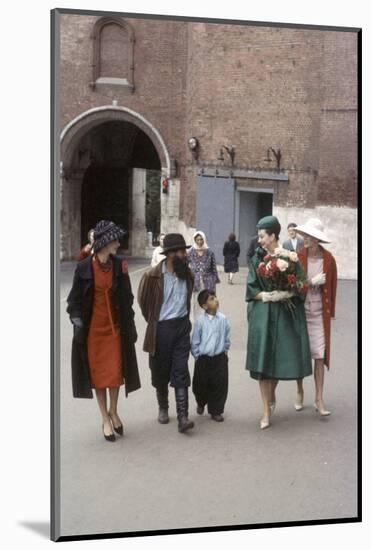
(163,416)
(217,417)
(200,410)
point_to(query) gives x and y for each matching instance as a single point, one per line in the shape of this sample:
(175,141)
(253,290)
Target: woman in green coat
(278,345)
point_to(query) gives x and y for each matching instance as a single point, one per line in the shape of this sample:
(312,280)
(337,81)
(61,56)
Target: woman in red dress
(100,308)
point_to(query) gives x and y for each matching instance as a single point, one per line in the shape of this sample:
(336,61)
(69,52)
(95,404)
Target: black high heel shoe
(110,437)
(120,429)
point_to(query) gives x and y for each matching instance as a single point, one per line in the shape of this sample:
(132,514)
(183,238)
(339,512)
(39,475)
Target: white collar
(211,317)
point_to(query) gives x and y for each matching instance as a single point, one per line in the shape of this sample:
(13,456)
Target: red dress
(104,344)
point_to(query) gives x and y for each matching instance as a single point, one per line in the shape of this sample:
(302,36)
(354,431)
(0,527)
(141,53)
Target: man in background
(295,242)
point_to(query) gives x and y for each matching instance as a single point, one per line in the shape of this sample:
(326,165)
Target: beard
(180,268)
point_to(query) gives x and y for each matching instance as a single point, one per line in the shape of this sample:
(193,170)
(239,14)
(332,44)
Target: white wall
(340,225)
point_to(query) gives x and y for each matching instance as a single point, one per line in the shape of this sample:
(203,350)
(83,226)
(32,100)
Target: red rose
(266,258)
(273,266)
(291,278)
(261,269)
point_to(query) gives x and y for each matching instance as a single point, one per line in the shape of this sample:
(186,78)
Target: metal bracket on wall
(241,173)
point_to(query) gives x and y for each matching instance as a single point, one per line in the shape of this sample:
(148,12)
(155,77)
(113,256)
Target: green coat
(278,344)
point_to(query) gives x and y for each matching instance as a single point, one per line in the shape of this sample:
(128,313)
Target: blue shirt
(211,335)
(174,305)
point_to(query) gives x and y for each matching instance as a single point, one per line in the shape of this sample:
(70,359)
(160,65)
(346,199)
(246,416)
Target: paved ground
(302,468)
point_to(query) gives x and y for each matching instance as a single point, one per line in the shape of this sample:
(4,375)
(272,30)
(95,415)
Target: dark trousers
(170,362)
(210,382)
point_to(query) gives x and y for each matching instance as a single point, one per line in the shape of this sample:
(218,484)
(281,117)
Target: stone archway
(74,165)
(75,129)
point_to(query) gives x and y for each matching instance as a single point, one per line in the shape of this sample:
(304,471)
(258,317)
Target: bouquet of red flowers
(280,271)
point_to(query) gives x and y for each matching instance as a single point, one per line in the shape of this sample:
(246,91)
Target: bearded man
(164,296)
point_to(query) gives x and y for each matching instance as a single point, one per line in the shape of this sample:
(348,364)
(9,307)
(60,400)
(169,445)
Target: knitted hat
(106,232)
(173,241)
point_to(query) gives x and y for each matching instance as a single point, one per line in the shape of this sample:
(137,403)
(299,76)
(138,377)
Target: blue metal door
(215,211)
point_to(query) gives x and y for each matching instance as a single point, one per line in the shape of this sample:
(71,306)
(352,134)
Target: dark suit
(299,244)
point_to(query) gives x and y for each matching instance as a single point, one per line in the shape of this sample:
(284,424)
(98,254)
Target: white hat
(313,228)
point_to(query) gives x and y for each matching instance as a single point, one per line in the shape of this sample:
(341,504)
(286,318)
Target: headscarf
(195,246)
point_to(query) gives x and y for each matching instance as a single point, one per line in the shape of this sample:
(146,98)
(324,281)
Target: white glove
(276,295)
(319,279)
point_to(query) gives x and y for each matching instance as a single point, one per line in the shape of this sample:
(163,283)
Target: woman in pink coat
(320,267)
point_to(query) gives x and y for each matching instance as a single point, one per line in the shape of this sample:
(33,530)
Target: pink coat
(328,293)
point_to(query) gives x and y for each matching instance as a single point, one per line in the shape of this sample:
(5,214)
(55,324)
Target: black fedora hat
(173,241)
(105,232)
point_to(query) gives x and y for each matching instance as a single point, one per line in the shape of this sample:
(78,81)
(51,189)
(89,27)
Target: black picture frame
(55,282)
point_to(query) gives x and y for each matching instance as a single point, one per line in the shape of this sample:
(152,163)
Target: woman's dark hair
(232,237)
(204,296)
(292,224)
(276,229)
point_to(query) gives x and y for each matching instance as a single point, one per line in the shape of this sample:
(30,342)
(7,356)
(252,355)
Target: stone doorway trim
(71,172)
(74,130)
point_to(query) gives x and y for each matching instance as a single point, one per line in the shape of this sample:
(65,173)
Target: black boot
(181,396)
(163,403)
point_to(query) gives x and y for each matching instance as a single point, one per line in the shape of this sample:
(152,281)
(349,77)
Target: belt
(174,321)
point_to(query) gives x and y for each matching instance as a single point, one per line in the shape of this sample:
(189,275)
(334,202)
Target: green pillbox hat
(268,222)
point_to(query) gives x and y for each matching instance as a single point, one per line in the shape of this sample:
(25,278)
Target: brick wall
(337,183)
(251,87)
(160,75)
(261,87)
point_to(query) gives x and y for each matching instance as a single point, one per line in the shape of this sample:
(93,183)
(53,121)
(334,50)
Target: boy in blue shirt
(210,344)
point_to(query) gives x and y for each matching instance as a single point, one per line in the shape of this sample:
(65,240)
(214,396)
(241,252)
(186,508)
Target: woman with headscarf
(320,266)
(277,345)
(203,265)
(100,306)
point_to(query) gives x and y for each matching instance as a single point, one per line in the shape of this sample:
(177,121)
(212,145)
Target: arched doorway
(115,148)
(112,165)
